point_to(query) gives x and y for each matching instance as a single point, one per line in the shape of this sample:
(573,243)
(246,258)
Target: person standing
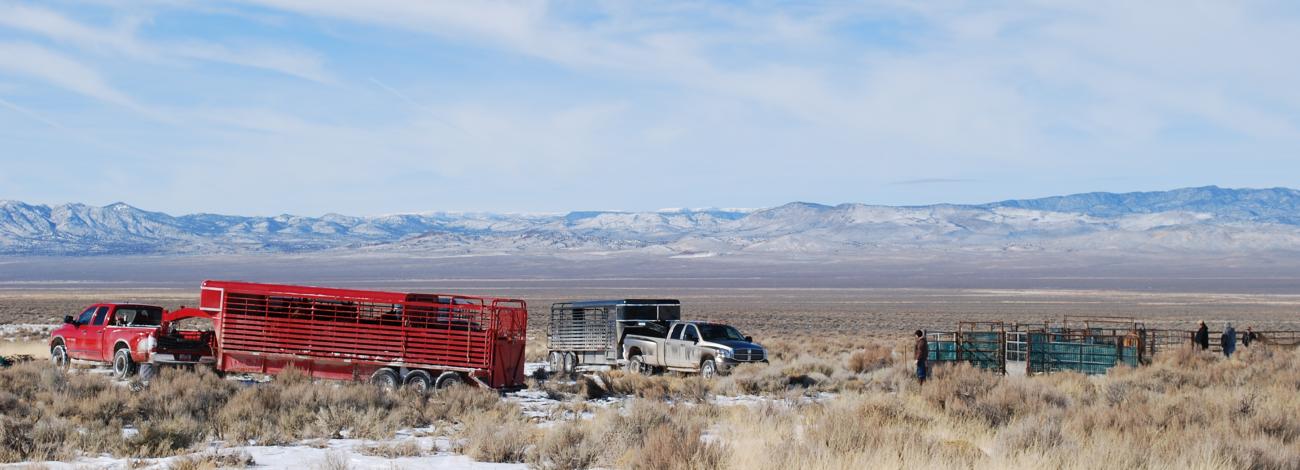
(1202,337)
(1228,341)
(1249,336)
(922,354)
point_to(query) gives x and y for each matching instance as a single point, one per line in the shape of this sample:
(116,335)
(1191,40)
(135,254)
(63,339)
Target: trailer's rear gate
(581,329)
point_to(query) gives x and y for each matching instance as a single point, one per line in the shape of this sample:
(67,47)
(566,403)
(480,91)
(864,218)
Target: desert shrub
(334,461)
(568,446)
(809,365)
(392,450)
(1012,397)
(213,461)
(869,359)
(294,410)
(838,426)
(502,436)
(957,387)
(1039,433)
(675,446)
(592,387)
(455,403)
(162,437)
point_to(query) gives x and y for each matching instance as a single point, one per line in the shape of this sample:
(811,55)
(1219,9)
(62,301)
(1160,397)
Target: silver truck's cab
(699,347)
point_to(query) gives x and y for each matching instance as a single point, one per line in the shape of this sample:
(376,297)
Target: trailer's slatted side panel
(453,335)
(577,329)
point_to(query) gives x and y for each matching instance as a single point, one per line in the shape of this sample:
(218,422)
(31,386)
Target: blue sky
(314,106)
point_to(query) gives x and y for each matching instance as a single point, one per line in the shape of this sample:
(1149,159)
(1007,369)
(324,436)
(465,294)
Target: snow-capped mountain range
(1206,219)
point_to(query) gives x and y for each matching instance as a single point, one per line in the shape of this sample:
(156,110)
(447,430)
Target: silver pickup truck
(706,348)
(644,335)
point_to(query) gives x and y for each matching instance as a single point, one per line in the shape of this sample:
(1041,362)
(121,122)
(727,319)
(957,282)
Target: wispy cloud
(927,181)
(39,62)
(123,39)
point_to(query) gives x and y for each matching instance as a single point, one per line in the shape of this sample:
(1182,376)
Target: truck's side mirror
(67,319)
(749,339)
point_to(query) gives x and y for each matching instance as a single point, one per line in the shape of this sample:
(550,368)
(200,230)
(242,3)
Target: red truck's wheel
(123,366)
(59,356)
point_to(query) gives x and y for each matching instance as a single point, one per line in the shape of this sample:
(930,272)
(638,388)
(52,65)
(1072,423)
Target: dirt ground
(15,348)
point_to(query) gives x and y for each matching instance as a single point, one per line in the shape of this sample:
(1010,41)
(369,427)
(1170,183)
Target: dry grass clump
(213,461)
(334,461)
(678,447)
(502,435)
(660,387)
(869,359)
(293,410)
(392,450)
(567,446)
(644,434)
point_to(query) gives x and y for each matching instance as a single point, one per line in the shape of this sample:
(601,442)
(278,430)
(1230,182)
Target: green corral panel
(983,350)
(1051,353)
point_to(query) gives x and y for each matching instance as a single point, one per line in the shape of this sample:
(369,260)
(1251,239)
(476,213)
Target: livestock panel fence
(1085,344)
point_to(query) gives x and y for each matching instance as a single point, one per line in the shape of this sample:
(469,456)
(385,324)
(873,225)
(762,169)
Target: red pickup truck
(127,335)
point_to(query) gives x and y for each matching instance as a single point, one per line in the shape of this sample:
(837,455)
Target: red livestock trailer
(389,338)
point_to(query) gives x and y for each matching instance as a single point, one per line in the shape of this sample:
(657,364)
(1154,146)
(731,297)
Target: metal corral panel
(983,349)
(1082,352)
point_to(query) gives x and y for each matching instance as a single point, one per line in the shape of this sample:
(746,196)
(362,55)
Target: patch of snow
(304,456)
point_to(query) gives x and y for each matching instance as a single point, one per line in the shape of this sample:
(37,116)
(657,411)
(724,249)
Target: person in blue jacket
(1229,340)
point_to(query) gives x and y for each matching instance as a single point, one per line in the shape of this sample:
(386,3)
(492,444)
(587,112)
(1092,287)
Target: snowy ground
(12,332)
(303,456)
(536,404)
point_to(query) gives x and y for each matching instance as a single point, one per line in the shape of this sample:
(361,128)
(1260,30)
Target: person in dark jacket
(922,354)
(1202,337)
(1228,341)
(1249,336)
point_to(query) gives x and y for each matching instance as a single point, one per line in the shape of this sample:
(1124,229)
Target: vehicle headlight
(724,353)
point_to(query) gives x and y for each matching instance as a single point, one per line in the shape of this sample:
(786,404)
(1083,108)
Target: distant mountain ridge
(1208,218)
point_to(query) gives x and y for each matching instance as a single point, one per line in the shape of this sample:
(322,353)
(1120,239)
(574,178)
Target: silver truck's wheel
(637,365)
(708,369)
(59,356)
(123,366)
